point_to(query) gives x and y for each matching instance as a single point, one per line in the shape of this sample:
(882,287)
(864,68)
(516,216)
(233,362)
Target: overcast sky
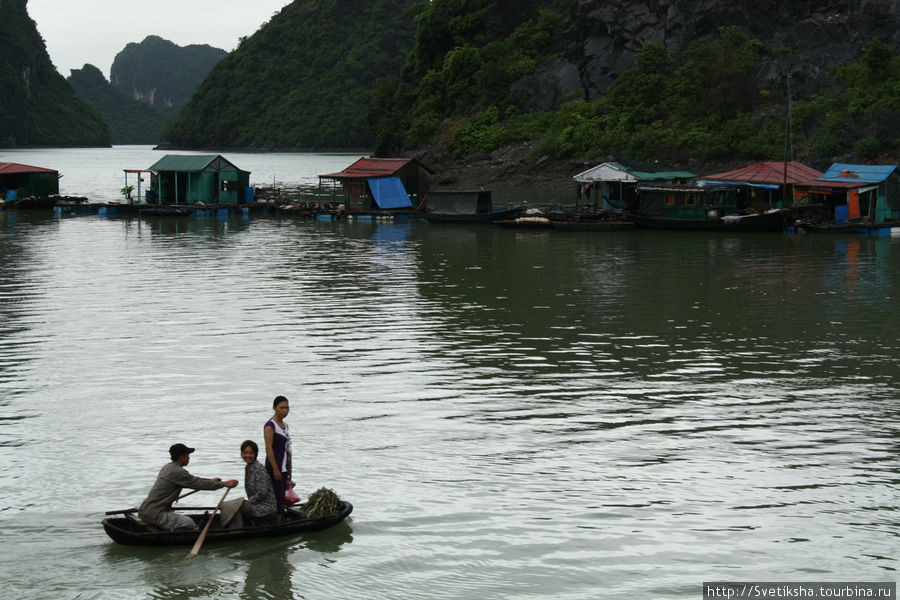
(94,31)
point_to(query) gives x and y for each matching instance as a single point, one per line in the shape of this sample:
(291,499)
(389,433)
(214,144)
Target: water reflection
(269,577)
(262,568)
(22,274)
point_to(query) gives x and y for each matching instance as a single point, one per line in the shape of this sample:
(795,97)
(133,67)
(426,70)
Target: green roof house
(197,179)
(614,184)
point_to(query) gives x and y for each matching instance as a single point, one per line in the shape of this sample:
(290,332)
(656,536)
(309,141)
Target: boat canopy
(389,192)
(458,202)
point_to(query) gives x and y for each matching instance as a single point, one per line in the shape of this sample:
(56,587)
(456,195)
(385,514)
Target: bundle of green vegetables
(320,503)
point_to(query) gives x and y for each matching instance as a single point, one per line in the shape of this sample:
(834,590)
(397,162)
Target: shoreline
(518,166)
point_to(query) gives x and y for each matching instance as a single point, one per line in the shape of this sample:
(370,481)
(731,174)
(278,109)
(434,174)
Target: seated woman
(260,502)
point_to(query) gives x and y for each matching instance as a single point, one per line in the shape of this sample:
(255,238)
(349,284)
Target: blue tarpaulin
(389,192)
(768,186)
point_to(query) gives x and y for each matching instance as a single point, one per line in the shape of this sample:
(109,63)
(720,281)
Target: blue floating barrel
(248,195)
(12,195)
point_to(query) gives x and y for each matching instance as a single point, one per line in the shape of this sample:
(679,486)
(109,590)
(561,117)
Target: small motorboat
(127,529)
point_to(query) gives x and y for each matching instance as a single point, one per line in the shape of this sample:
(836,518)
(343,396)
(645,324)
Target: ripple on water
(508,422)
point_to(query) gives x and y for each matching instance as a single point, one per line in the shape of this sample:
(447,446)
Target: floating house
(197,179)
(863,193)
(373,184)
(18,181)
(766,185)
(613,185)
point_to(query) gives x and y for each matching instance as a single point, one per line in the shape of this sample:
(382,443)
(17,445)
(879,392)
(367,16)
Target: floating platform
(122,210)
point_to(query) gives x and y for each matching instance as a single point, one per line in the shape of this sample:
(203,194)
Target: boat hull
(485,217)
(131,532)
(875,229)
(771,221)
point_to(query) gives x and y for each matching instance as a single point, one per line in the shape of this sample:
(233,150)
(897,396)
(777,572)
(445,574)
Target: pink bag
(290,496)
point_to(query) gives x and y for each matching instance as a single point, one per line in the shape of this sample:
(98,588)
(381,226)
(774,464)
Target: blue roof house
(875,188)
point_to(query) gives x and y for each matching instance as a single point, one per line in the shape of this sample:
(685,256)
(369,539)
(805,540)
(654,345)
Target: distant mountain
(161,73)
(130,121)
(37,106)
(304,80)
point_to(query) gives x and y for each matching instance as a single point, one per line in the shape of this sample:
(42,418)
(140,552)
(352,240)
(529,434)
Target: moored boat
(464,206)
(887,228)
(129,530)
(776,219)
(572,223)
(702,207)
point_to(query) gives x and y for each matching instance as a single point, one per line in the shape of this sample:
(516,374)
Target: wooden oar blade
(202,536)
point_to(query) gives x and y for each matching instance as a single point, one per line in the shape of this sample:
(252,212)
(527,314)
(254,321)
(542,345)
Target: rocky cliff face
(161,73)
(37,106)
(807,37)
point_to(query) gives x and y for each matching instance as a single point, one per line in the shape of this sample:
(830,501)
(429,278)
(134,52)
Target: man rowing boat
(156,509)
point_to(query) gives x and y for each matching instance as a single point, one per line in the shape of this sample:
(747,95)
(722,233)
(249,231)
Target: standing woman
(278,449)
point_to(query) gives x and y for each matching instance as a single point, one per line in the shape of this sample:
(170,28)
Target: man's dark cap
(176,450)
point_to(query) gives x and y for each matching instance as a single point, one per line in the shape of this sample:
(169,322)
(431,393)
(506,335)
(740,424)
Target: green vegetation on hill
(130,121)
(457,82)
(37,106)
(159,72)
(704,103)
(863,114)
(304,80)
(458,90)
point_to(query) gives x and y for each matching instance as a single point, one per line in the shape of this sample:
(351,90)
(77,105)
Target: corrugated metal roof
(631,172)
(373,167)
(11,168)
(653,170)
(192,163)
(861,174)
(770,172)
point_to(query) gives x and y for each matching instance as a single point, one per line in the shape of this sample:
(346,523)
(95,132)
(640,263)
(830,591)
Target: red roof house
(375,183)
(772,172)
(25,180)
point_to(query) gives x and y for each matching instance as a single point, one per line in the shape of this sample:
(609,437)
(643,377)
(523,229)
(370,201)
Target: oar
(202,537)
(129,510)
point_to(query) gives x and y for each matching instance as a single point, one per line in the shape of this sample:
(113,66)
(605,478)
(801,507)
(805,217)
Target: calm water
(513,414)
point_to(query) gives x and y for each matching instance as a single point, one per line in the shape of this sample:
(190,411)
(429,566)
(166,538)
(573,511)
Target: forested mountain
(161,73)
(304,80)
(648,79)
(37,105)
(130,121)
(630,78)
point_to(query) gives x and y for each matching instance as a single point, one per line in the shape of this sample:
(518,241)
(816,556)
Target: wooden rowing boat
(128,530)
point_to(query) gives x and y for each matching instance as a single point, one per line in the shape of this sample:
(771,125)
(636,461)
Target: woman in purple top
(278,449)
